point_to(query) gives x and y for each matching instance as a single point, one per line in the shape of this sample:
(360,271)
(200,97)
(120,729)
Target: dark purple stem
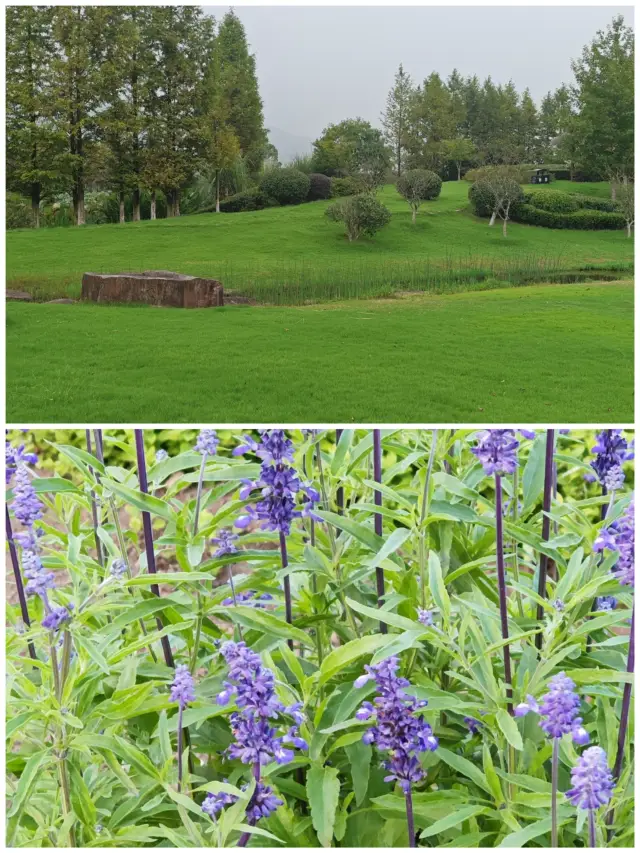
(180,749)
(546,521)
(410,824)
(94,507)
(18,578)
(592,828)
(377,518)
(594,604)
(626,701)
(287,584)
(502,591)
(340,491)
(148,539)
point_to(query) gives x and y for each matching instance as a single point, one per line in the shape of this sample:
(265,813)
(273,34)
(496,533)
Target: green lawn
(560,353)
(281,249)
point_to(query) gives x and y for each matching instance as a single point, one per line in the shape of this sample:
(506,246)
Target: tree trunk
(504,227)
(413,215)
(176,203)
(153,204)
(459,170)
(493,219)
(628,229)
(169,195)
(78,203)
(613,191)
(399,155)
(121,207)
(136,205)
(35,204)
(218,191)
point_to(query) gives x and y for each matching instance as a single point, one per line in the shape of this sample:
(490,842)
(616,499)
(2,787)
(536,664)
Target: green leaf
(359,755)
(438,588)
(27,779)
(522,836)
(141,500)
(53,485)
(359,531)
(597,676)
(261,620)
(382,615)
(341,451)
(452,820)
(96,656)
(533,474)
(323,792)
(390,546)
(341,657)
(509,728)
(464,766)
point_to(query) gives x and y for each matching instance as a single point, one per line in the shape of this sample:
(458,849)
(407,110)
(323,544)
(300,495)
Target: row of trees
(127,98)
(442,125)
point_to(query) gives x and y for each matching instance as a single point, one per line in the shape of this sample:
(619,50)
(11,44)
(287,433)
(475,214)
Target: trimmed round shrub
(342,187)
(555,201)
(482,198)
(253,199)
(319,187)
(361,214)
(286,186)
(419,184)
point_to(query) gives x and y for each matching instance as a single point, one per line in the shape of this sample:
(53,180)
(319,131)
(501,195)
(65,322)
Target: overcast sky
(318,65)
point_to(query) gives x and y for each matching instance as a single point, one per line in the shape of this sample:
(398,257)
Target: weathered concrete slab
(18,296)
(153,287)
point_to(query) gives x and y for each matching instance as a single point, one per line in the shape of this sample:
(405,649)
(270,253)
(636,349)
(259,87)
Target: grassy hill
(526,355)
(295,254)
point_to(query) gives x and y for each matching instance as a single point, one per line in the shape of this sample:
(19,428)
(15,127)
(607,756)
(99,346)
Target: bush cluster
(482,200)
(341,187)
(319,187)
(253,199)
(361,214)
(285,186)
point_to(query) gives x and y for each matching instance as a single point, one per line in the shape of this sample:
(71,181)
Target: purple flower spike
(591,779)
(397,729)
(472,724)
(161,455)
(15,456)
(225,540)
(27,508)
(118,568)
(497,450)
(214,803)
(620,536)
(425,617)
(560,708)
(57,617)
(207,442)
(39,579)
(182,689)
(606,603)
(257,742)
(611,451)
(524,708)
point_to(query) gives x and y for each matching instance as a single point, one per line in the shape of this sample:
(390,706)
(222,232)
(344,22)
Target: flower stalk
(377,518)
(546,522)
(502,593)
(24,610)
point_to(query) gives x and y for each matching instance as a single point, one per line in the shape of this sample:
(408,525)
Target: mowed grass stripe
(532,354)
(285,247)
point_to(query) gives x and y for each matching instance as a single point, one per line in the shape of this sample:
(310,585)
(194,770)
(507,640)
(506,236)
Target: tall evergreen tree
(238,67)
(34,146)
(76,68)
(432,119)
(529,129)
(395,117)
(604,96)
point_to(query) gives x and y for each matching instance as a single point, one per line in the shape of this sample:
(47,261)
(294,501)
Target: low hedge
(583,220)
(253,199)
(554,201)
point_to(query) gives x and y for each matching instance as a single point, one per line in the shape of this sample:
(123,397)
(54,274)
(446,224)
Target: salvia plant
(331,637)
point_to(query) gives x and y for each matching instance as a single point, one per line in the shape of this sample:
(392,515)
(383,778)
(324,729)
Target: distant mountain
(288,144)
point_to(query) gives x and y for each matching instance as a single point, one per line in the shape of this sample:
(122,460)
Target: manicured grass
(533,354)
(297,254)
